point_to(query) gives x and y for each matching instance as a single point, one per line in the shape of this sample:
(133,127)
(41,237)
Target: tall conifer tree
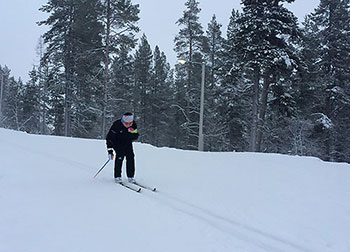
(142,89)
(329,27)
(74,42)
(119,18)
(266,46)
(190,45)
(215,127)
(159,96)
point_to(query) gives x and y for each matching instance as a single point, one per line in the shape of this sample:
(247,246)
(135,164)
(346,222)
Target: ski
(135,189)
(153,189)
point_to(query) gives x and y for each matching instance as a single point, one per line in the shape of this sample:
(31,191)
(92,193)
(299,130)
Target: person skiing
(119,138)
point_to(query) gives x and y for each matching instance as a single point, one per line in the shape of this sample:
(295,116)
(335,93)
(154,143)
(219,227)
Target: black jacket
(119,138)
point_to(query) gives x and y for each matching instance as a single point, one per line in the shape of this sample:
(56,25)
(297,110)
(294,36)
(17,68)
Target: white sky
(19,32)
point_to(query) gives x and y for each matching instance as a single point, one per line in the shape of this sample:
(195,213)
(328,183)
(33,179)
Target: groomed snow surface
(235,202)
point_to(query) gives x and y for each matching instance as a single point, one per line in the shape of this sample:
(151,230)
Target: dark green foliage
(159,119)
(266,45)
(142,88)
(190,45)
(121,90)
(74,43)
(269,85)
(327,47)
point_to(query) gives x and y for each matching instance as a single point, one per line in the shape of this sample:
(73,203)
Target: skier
(119,139)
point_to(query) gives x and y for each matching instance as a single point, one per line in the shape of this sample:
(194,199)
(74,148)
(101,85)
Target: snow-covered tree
(74,43)
(266,46)
(190,45)
(215,127)
(160,98)
(142,89)
(327,31)
(119,18)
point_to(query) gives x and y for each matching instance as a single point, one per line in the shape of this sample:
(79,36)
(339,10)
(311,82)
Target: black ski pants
(130,164)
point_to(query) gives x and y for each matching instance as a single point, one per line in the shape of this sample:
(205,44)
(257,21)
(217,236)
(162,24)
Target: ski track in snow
(252,238)
(233,228)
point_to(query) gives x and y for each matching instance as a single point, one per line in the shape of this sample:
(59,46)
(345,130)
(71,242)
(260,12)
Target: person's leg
(118,166)
(130,165)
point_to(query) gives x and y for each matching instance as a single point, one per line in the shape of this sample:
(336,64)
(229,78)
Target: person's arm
(133,132)
(110,138)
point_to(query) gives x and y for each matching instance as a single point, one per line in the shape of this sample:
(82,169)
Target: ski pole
(101,168)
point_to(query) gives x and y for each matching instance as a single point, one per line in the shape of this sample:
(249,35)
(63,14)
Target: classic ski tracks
(257,238)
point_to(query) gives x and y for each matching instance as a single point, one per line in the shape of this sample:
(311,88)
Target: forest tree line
(271,85)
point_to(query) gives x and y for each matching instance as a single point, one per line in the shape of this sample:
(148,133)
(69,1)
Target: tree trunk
(262,110)
(67,107)
(69,78)
(255,109)
(106,72)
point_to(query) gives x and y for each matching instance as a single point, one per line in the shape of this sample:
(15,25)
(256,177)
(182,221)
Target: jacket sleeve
(110,138)
(134,134)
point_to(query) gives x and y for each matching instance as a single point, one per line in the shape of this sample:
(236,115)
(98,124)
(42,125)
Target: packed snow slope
(235,202)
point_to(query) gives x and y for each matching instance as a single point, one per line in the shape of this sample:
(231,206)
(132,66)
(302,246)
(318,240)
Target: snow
(245,202)
(324,120)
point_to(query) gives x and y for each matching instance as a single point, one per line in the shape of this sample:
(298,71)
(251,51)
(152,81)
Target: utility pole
(201,112)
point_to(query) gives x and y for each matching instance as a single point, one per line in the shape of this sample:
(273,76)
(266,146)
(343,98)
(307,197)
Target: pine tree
(12,111)
(234,97)
(41,71)
(74,43)
(178,113)
(190,45)
(60,49)
(87,42)
(119,18)
(142,89)
(190,39)
(266,46)
(30,103)
(328,27)
(215,127)
(4,75)
(121,92)
(215,51)
(159,96)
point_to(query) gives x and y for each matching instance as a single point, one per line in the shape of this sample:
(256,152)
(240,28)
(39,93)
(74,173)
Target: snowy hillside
(236,202)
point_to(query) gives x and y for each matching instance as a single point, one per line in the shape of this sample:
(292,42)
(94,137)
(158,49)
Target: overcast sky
(19,33)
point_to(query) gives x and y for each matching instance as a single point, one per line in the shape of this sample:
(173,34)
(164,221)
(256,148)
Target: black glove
(110,153)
